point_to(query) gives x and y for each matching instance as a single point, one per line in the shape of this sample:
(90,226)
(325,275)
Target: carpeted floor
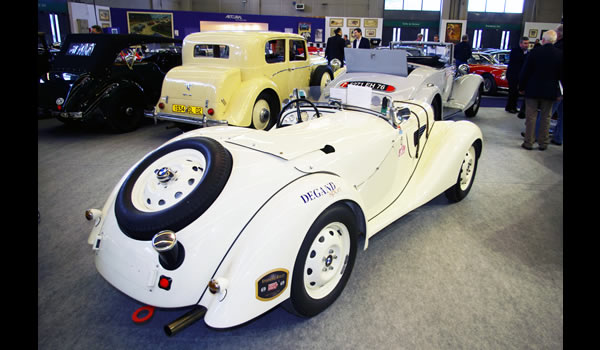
(485,273)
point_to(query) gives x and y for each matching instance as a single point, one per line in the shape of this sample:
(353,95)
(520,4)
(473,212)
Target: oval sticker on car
(270,285)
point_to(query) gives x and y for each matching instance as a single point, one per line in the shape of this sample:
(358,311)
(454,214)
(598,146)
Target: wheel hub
(164,174)
(264,115)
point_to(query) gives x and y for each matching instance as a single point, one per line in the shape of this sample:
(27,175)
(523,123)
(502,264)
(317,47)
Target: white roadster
(414,71)
(233,221)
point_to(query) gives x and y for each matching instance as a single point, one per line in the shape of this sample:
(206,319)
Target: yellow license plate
(187,109)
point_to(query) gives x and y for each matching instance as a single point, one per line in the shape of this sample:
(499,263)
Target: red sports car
(492,72)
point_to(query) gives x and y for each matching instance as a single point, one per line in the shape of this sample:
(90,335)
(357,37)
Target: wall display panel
(370,27)
(150,23)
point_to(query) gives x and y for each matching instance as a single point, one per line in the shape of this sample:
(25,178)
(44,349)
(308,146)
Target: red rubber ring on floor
(137,319)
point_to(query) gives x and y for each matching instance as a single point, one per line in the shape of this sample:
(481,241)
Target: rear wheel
(125,110)
(265,111)
(324,262)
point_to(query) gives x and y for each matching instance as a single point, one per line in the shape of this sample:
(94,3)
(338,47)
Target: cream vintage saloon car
(239,78)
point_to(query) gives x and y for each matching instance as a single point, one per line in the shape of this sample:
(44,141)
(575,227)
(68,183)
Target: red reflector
(345,84)
(59,107)
(390,88)
(161,105)
(211,111)
(164,282)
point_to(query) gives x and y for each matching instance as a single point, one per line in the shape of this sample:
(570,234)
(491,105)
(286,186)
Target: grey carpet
(485,273)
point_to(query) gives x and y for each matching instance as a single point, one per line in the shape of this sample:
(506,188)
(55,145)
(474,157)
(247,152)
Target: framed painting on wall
(371,22)
(353,22)
(370,33)
(336,22)
(150,23)
(453,32)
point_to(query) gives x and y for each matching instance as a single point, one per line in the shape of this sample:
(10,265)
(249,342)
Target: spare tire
(172,187)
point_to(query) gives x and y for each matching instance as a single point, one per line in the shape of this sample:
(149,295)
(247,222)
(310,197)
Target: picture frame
(104,15)
(533,33)
(453,32)
(370,33)
(336,22)
(150,23)
(353,22)
(371,22)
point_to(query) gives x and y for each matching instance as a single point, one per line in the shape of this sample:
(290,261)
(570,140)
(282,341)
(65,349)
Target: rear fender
(242,102)
(269,244)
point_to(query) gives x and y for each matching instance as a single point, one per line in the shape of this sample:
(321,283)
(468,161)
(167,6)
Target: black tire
(125,110)
(489,85)
(143,225)
(273,102)
(459,191)
(300,302)
(315,80)
(472,111)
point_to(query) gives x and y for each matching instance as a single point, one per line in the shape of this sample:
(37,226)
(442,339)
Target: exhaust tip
(185,320)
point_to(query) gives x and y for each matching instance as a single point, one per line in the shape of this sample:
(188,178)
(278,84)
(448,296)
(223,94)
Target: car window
(297,50)
(211,50)
(275,51)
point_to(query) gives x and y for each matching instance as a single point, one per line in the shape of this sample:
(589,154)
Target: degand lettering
(318,192)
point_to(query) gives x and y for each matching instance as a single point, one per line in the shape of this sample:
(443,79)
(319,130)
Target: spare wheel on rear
(172,187)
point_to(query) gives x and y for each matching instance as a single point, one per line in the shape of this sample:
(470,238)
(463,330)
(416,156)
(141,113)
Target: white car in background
(233,221)
(413,71)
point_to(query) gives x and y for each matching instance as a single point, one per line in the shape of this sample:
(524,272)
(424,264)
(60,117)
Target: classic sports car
(234,221)
(492,72)
(108,78)
(239,78)
(424,73)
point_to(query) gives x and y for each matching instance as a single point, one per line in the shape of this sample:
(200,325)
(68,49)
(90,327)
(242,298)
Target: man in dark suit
(335,47)
(517,58)
(462,51)
(359,42)
(539,82)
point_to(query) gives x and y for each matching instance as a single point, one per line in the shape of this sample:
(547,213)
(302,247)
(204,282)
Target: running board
(450,112)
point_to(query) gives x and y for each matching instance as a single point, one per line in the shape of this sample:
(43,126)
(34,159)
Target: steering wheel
(298,102)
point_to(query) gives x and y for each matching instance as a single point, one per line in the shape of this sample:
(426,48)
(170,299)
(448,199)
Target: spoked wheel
(466,176)
(472,111)
(324,262)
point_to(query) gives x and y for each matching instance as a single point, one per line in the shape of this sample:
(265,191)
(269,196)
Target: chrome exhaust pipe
(185,320)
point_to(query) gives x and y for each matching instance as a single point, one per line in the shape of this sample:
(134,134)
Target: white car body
(431,78)
(377,166)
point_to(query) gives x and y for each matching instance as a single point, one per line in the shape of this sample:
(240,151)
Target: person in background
(557,136)
(347,42)
(96,29)
(436,38)
(462,51)
(419,37)
(539,82)
(335,47)
(517,58)
(359,42)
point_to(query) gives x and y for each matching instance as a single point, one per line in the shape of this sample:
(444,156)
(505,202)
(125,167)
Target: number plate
(187,109)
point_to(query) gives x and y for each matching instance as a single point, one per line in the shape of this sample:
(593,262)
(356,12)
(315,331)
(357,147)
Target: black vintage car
(107,78)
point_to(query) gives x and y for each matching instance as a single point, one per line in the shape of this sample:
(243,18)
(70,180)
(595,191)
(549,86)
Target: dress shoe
(543,147)
(513,111)
(526,147)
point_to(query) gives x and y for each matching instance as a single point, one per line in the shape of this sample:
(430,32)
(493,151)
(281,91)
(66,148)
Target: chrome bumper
(204,121)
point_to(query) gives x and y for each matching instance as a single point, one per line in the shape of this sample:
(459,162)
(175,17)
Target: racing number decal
(270,285)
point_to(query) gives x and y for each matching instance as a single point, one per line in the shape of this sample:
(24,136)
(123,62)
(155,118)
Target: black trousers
(513,94)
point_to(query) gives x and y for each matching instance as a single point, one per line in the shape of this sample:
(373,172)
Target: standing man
(359,42)
(517,58)
(335,47)
(539,82)
(462,51)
